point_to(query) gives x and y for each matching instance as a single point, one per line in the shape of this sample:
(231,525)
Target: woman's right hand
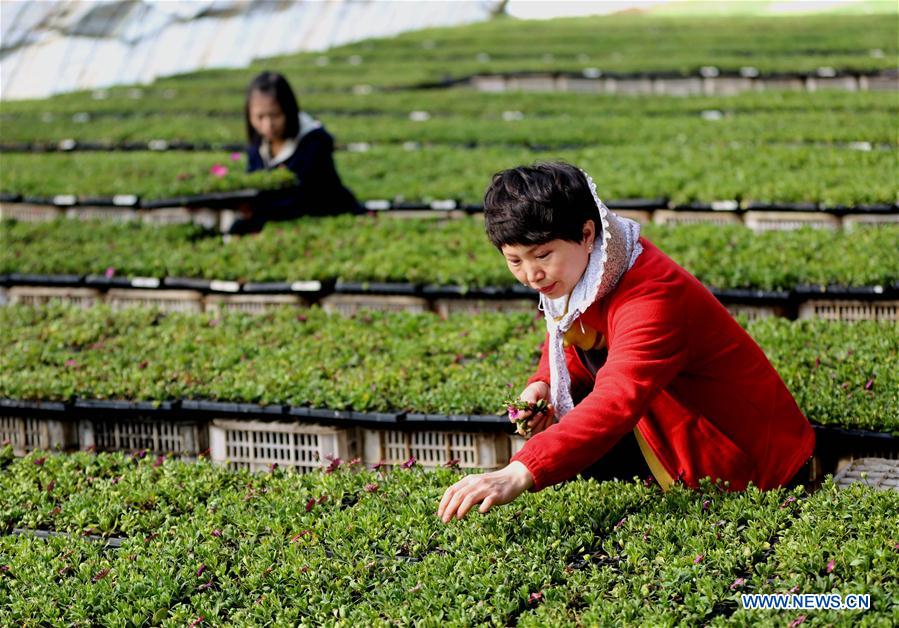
(542,420)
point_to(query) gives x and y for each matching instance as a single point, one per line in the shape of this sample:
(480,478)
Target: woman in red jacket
(637,351)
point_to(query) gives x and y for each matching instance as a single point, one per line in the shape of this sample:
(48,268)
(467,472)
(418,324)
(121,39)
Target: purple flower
(409,463)
(513,413)
(831,565)
(699,558)
(159,460)
(739,582)
(218,170)
(706,504)
(40,461)
(796,621)
(216,533)
(201,570)
(788,501)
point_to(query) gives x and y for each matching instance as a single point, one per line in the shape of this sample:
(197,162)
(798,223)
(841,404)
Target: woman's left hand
(488,489)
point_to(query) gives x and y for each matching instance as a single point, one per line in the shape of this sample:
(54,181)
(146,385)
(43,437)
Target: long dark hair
(275,85)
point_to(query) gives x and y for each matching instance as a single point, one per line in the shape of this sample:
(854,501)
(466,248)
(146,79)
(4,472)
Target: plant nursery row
(201,544)
(875,129)
(211,100)
(841,374)
(683,173)
(452,252)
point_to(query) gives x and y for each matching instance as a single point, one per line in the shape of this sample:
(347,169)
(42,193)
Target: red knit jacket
(679,368)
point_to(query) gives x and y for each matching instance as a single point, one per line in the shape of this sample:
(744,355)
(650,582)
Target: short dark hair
(535,204)
(275,85)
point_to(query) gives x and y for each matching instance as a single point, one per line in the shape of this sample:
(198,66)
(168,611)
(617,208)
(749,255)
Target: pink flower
(797,621)
(831,565)
(159,460)
(72,363)
(201,570)
(739,582)
(794,589)
(355,462)
(100,575)
(452,463)
(535,598)
(110,272)
(788,501)
(196,622)
(218,170)
(236,156)
(706,504)
(371,488)
(699,558)
(378,465)
(620,523)
(513,413)
(40,461)
(334,465)
(869,384)
(310,504)
(216,533)
(409,463)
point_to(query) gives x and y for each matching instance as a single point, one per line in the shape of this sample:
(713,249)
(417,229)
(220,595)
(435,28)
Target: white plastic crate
(257,445)
(678,86)
(166,216)
(676,217)
(167,300)
(881,473)
(253,303)
(112,214)
(184,439)
(37,295)
(755,312)
(516,443)
(840,310)
(29,433)
(349,304)
(789,221)
(25,212)
(445,307)
(436,448)
(852,221)
(642,216)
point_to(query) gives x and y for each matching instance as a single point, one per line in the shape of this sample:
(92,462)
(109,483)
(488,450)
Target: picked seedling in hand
(522,411)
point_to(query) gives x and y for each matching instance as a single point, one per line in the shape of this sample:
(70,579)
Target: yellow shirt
(588,339)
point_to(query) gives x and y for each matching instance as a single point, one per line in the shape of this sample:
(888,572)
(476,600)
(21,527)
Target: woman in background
(280,135)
